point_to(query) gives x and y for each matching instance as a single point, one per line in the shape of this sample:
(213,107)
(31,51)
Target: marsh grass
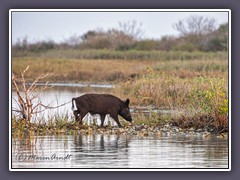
(194,84)
(109,54)
(202,100)
(114,70)
(65,70)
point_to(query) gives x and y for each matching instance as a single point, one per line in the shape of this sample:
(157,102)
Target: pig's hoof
(120,126)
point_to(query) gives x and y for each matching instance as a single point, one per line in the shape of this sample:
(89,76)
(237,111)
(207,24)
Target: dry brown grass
(200,101)
(76,70)
(199,87)
(73,70)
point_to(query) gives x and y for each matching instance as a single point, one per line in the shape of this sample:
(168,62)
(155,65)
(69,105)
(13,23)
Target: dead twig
(28,98)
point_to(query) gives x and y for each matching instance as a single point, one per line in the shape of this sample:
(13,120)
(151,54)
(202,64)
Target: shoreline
(23,129)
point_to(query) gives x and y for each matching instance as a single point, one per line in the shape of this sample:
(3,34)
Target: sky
(58,26)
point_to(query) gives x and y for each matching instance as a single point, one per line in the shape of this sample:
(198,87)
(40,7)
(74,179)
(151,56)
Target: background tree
(131,28)
(74,40)
(122,38)
(195,28)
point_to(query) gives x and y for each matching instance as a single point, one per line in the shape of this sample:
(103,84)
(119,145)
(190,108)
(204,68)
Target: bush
(213,101)
(214,44)
(146,45)
(185,47)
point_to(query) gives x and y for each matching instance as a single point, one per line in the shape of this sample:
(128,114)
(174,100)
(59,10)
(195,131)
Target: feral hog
(101,104)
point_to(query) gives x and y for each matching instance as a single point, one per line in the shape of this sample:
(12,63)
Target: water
(62,94)
(75,85)
(111,151)
(119,151)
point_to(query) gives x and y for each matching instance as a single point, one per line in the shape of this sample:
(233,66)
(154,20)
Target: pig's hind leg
(76,114)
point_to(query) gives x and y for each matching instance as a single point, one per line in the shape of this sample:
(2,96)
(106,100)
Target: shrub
(212,100)
(185,47)
(146,45)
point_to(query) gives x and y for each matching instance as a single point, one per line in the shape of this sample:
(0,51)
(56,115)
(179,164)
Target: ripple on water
(119,151)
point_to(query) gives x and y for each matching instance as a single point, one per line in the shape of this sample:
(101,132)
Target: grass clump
(196,98)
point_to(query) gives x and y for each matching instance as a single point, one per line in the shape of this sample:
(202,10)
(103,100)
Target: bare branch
(15,110)
(25,70)
(36,80)
(48,107)
(17,90)
(52,107)
(18,103)
(131,28)
(195,25)
(26,100)
(38,91)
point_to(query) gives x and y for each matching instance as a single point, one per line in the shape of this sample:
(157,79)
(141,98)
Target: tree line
(196,33)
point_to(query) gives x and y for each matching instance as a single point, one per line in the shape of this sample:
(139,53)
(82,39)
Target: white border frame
(120,10)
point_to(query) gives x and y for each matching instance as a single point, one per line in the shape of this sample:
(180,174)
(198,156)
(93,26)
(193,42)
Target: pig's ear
(127,102)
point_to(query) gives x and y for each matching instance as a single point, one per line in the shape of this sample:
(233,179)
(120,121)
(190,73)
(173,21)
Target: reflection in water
(99,151)
(114,151)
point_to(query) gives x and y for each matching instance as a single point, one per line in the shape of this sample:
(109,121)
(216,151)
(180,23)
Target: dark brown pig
(101,104)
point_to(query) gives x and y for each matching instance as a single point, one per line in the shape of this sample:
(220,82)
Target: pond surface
(119,151)
(111,151)
(62,94)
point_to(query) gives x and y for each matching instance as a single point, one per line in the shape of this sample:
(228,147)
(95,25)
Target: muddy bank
(144,130)
(22,128)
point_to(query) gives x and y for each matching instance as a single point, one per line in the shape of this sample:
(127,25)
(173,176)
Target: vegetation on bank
(197,90)
(187,73)
(154,125)
(198,100)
